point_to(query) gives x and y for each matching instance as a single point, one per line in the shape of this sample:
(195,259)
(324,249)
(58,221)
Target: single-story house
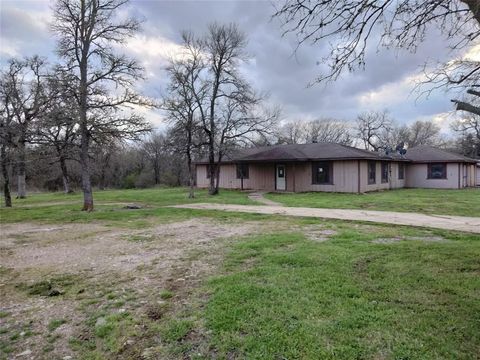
(339,168)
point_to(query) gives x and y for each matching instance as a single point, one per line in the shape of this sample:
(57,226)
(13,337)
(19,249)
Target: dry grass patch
(91,290)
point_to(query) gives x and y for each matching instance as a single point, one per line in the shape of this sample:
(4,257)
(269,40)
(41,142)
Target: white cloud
(24,32)
(473,53)
(443,120)
(390,94)
(153,116)
(153,51)
(8,50)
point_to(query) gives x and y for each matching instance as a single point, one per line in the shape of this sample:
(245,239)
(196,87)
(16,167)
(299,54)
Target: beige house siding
(417,177)
(469,176)
(299,177)
(393,181)
(345,177)
(261,177)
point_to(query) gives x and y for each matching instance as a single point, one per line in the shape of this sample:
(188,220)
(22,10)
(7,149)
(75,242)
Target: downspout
(294,172)
(390,185)
(459,175)
(241,177)
(358,176)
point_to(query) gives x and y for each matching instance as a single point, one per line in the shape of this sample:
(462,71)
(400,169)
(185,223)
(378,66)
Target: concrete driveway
(446,222)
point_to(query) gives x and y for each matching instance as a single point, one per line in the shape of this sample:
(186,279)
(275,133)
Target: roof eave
(302,160)
(443,161)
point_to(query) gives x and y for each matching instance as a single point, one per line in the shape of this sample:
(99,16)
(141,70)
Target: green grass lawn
(283,296)
(359,292)
(153,196)
(59,207)
(465,202)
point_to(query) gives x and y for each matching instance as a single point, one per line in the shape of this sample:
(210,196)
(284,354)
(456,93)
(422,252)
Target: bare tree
(393,135)
(227,107)
(292,132)
(371,128)
(468,129)
(350,26)
(423,133)
(154,148)
(57,127)
(101,80)
(328,130)
(186,94)
(25,97)
(470,124)
(225,47)
(7,131)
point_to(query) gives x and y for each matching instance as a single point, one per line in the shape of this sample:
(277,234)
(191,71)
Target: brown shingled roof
(305,152)
(428,154)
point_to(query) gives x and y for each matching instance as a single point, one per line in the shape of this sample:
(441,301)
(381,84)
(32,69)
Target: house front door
(281,184)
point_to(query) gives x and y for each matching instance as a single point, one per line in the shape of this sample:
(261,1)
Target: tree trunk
(65,177)
(84,133)
(191,174)
(6,178)
(217,178)
(474,7)
(84,158)
(21,170)
(85,165)
(156,170)
(211,169)
(103,174)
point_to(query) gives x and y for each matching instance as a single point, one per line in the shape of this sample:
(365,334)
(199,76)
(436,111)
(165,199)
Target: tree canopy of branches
(183,101)
(210,91)
(100,80)
(24,98)
(291,132)
(319,130)
(469,130)
(57,127)
(350,26)
(377,130)
(371,128)
(423,133)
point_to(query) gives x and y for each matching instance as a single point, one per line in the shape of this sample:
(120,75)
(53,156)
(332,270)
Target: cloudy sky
(386,83)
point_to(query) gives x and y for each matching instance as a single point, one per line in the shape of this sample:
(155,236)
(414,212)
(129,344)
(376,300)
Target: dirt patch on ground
(97,248)
(64,274)
(392,240)
(318,233)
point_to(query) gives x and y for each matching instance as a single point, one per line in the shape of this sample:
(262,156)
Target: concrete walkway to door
(446,222)
(258,197)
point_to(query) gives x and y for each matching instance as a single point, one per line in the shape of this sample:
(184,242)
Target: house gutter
(358,177)
(459,175)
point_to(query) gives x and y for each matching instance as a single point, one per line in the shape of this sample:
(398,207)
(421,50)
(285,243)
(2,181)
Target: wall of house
(417,177)
(478,175)
(474,175)
(261,177)
(393,181)
(299,177)
(471,175)
(345,177)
